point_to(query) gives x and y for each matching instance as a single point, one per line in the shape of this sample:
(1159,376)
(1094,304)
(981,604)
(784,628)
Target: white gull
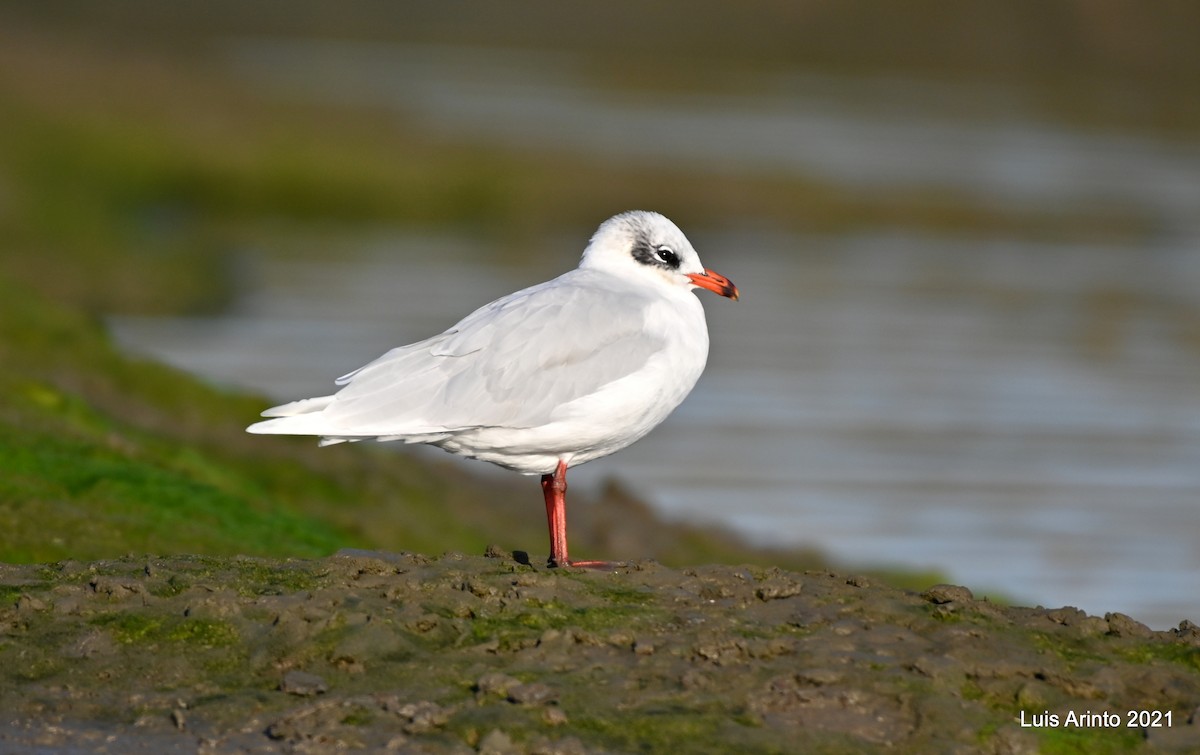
(546,378)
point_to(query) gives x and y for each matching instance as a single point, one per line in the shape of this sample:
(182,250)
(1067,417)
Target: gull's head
(647,246)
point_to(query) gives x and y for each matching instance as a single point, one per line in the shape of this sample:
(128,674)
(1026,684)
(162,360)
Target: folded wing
(513,363)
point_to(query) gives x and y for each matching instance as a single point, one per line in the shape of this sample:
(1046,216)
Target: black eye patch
(668,257)
(658,256)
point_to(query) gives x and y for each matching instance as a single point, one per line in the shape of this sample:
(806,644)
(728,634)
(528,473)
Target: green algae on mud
(366,650)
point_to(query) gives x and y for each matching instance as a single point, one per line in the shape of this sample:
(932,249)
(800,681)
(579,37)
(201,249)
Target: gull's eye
(667,256)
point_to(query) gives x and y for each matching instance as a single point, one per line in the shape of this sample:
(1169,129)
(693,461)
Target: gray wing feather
(512,363)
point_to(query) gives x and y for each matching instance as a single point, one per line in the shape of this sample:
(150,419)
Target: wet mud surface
(458,654)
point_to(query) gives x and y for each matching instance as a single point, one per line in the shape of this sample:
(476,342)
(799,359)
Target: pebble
(303,684)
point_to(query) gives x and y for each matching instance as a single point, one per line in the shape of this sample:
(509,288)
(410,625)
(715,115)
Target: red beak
(715,282)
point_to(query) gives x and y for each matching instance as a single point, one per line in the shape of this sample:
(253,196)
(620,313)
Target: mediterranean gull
(547,378)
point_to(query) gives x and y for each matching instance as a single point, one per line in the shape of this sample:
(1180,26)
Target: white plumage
(556,374)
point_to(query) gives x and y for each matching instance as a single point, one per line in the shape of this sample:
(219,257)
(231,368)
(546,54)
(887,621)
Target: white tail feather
(296,418)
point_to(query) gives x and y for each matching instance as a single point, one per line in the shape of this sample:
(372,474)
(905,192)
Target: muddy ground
(404,653)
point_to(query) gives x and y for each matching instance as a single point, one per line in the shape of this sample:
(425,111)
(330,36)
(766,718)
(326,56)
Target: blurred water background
(968,245)
(1024,415)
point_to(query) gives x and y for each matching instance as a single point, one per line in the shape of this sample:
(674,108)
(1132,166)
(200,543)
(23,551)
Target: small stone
(424,623)
(819,676)
(941,594)
(1187,631)
(778,589)
(479,588)
(535,693)
(496,742)
(27,602)
(421,717)
(302,683)
(1067,615)
(1091,626)
(1033,695)
(495,683)
(620,639)
(643,647)
(553,715)
(1124,626)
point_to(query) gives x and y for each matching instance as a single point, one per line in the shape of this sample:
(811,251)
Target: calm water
(1024,416)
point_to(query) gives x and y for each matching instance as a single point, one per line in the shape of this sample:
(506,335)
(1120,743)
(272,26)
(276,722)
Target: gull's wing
(512,363)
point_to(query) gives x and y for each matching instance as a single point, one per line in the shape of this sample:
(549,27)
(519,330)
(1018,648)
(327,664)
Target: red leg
(554,488)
